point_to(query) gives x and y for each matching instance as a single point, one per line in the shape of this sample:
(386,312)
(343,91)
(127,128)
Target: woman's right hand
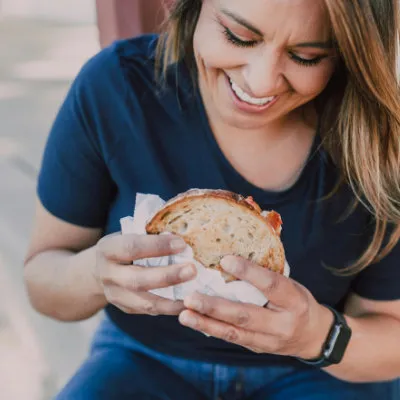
(126,285)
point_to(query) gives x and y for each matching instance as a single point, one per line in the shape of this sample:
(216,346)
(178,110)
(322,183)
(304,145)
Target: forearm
(373,353)
(62,285)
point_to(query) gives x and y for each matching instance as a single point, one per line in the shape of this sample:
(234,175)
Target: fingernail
(187,272)
(229,264)
(187,319)
(177,244)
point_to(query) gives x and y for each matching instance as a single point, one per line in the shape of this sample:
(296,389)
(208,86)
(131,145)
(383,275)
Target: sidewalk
(38,62)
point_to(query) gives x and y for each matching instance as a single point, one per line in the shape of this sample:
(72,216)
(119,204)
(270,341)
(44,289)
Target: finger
(127,248)
(143,279)
(246,316)
(277,288)
(143,303)
(229,333)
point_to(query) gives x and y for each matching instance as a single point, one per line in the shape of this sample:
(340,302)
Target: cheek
(212,50)
(310,81)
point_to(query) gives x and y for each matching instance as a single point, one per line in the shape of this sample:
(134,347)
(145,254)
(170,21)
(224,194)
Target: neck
(283,145)
(291,129)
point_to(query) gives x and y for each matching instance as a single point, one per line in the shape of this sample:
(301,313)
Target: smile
(245,97)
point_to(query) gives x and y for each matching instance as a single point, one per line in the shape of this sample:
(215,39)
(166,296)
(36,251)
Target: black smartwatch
(335,345)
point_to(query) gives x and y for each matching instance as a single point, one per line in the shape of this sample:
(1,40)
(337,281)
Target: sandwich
(217,223)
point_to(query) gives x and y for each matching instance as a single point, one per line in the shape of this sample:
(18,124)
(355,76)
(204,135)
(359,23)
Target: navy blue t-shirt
(118,133)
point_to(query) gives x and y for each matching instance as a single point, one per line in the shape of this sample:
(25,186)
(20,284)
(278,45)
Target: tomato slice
(275,221)
(250,200)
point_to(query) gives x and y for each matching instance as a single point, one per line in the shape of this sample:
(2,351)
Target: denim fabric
(119,367)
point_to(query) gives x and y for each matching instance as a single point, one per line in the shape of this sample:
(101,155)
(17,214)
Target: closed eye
(233,39)
(305,61)
(236,41)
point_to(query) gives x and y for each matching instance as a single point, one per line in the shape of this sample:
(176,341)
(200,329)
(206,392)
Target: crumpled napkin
(207,281)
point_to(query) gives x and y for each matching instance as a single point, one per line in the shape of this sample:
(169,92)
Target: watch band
(336,343)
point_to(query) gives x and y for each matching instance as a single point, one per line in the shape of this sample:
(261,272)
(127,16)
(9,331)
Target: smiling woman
(292,102)
(264,64)
(347,83)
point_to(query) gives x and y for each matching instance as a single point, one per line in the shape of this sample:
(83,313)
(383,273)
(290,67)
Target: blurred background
(43,44)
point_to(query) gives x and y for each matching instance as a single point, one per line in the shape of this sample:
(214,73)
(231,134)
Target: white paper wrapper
(207,281)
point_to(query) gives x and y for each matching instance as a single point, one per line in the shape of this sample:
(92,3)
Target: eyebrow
(319,45)
(242,22)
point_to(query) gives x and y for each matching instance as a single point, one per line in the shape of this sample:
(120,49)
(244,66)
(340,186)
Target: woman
(293,102)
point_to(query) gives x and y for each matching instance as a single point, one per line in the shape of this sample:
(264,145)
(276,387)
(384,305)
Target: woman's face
(258,60)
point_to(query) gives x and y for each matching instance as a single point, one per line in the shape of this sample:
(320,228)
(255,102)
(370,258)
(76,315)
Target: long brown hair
(359,110)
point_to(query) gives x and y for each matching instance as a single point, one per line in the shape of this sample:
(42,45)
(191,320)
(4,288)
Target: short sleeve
(74,183)
(381,281)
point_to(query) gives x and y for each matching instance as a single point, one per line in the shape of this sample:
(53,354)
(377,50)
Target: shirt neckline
(260,194)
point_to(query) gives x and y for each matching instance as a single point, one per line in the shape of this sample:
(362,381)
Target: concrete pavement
(38,60)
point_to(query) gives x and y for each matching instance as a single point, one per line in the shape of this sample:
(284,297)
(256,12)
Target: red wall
(118,19)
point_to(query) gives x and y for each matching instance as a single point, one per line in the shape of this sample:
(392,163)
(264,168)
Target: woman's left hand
(293,323)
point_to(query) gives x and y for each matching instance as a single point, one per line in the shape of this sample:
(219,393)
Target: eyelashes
(236,41)
(233,39)
(304,62)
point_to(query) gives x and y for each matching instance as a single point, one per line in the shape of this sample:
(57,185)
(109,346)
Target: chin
(242,122)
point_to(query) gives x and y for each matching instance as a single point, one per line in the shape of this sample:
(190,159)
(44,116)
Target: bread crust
(274,257)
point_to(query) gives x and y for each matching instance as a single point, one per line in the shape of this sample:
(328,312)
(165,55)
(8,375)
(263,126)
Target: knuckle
(111,295)
(158,306)
(130,245)
(126,309)
(106,244)
(150,308)
(231,335)
(302,309)
(256,350)
(207,308)
(171,277)
(101,245)
(273,283)
(108,294)
(135,284)
(106,280)
(243,319)
(203,306)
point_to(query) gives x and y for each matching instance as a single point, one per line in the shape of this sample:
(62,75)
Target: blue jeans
(119,367)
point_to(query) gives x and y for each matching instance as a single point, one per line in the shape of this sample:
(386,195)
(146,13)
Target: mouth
(247,102)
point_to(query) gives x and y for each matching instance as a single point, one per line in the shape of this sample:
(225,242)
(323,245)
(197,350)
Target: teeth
(247,98)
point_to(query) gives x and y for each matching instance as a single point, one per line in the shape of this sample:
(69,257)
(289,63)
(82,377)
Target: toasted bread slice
(216,223)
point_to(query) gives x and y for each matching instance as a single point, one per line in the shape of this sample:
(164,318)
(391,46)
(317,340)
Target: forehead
(300,20)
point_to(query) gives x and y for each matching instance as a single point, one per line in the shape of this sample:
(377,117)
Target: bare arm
(70,275)
(59,269)
(374,352)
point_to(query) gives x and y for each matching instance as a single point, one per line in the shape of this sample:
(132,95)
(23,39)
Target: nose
(264,74)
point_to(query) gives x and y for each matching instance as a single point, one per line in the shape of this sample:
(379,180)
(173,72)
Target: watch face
(337,345)
(336,331)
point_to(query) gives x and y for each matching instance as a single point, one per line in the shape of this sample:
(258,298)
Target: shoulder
(126,70)
(107,69)
(140,49)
